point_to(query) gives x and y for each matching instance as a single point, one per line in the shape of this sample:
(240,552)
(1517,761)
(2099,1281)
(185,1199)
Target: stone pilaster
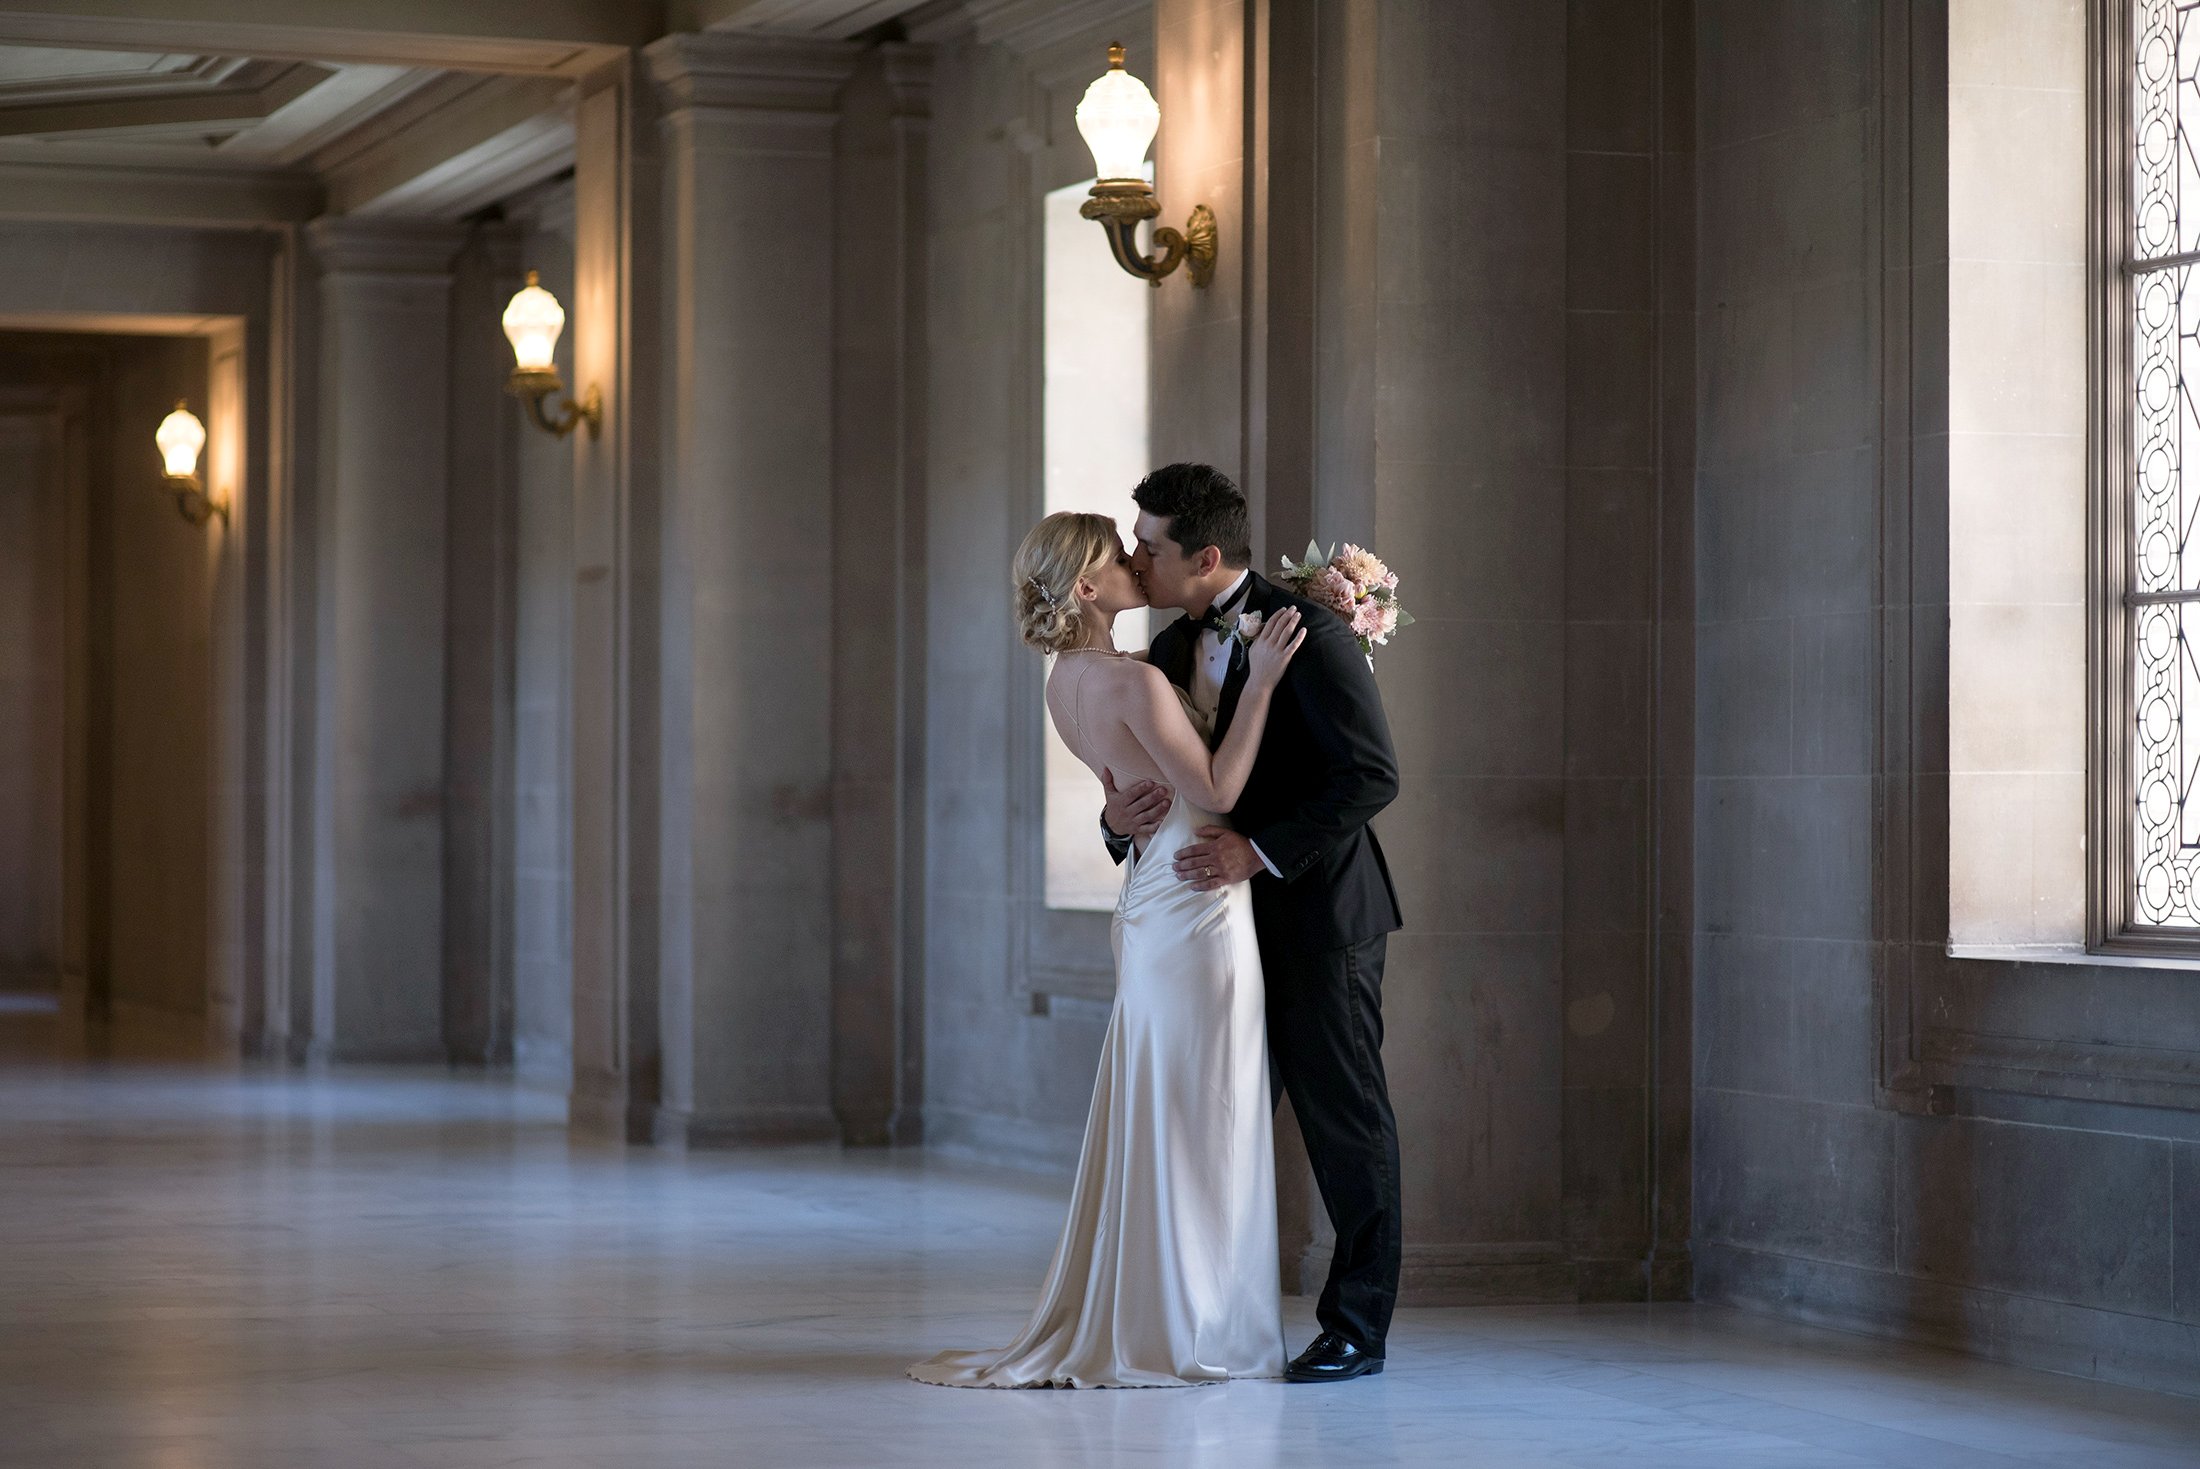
(380,516)
(877,604)
(745,755)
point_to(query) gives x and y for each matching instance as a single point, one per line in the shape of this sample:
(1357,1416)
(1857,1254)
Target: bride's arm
(1158,722)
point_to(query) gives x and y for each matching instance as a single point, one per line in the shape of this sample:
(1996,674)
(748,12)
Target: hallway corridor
(391,1269)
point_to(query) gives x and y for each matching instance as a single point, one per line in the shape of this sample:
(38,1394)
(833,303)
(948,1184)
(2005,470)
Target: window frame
(2112,272)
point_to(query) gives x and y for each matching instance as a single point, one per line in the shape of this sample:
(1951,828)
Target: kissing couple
(1242,757)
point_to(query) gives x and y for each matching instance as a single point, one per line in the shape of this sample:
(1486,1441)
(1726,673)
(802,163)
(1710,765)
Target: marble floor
(210,1268)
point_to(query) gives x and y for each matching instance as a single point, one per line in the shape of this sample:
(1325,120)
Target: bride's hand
(1279,637)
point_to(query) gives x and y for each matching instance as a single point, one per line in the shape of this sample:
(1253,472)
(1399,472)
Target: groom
(1323,905)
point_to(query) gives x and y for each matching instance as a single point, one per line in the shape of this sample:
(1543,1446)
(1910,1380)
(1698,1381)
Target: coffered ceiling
(148,107)
(250,112)
(101,133)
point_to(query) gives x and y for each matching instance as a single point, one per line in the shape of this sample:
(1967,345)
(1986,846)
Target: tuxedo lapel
(1172,653)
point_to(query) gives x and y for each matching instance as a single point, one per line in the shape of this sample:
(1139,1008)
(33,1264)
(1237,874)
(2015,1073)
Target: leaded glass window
(2162,299)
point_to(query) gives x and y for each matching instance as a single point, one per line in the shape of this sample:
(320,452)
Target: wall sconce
(1118,118)
(532,322)
(179,439)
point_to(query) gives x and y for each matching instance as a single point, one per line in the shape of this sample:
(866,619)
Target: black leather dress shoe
(1331,1359)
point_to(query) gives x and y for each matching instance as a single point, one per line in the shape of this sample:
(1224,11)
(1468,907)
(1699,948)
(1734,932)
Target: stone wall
(541,834)
(1992,1156)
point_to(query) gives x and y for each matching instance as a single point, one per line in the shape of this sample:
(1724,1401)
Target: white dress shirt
(1211,660)
(1211,670)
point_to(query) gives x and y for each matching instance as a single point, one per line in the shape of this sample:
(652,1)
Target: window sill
(2069,954)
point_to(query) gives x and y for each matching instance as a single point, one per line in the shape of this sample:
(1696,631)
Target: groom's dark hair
(1203,509)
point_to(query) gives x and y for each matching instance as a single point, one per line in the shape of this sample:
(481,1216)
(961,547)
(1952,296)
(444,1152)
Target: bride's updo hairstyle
(1061,548)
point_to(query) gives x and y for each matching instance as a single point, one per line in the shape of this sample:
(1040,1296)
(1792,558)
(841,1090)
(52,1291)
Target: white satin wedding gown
(1166,1272)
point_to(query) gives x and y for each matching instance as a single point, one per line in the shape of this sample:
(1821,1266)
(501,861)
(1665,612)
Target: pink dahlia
(1364,567)
(1334,590)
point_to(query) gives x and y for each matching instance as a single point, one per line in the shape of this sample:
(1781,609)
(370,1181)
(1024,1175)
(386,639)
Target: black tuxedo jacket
(1325,768)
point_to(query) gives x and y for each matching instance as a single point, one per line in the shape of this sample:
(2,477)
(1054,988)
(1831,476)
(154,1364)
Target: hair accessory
(1045,595)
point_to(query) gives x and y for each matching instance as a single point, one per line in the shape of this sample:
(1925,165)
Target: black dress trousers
(1325,1048)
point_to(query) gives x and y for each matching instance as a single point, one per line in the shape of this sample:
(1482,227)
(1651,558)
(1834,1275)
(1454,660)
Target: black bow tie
(1216,619)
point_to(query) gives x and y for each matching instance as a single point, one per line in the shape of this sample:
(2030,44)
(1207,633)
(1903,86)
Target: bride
(1166,1272)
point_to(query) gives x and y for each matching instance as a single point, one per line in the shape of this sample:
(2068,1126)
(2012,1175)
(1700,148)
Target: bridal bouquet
(1354,584)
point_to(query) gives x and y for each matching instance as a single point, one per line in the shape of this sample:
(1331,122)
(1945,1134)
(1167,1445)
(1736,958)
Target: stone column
(877,602)
(378,703)
(613,321)
(745,883)
(478,676)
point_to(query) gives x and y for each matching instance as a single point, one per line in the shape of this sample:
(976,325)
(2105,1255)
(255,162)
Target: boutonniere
(1245,627)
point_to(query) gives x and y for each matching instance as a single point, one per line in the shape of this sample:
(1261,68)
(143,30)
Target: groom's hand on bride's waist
(1136,810)
(1219,858)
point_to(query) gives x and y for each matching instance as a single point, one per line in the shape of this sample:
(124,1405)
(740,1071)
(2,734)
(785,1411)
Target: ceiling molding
(165,195)
(383,247)
(68,77)
(114,323)
(739,69)
(837,20)
(448,143)
(359,93)
(1025,26)
(495,169)
(250,92)
(541,57)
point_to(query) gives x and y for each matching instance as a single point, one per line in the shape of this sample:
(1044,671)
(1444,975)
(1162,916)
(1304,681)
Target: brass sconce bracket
(533,385)
(192,501)
(1121,205)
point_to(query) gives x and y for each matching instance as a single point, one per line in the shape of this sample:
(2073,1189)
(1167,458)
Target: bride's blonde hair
(1061,548)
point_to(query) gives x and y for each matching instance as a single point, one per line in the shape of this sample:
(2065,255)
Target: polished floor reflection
(220,1269)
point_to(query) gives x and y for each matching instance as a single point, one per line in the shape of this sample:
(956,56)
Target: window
(1094,451)
(2160,308)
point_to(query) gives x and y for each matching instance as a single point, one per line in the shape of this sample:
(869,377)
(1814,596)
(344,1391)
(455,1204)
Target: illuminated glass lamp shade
(533,320)
(180,437)
(532,323)
(1118,119)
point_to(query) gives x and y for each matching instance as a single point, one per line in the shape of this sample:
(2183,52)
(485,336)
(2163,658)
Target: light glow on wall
(1097,326)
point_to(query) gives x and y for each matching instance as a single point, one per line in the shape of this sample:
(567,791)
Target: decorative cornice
(147,195)
(1024,26)
(348,245)
(771,73)
(52,24)
(907,71)
(210,95)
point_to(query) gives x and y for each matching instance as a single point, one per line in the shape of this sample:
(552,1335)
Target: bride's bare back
(1089,696)
(1119,713)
